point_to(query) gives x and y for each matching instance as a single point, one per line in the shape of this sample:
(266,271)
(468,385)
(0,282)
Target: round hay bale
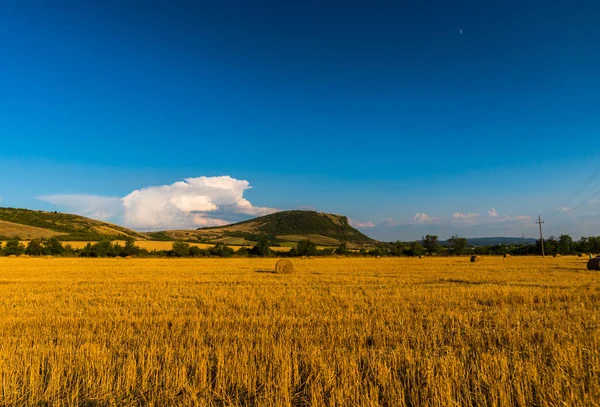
(594,264)
(118,258)
(284,266)
(580,255)
(12,256)
(24,256)
(476,259)
(557,255)
(421,256)
(506,255)
(128,257)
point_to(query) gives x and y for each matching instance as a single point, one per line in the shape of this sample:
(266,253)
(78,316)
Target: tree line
(428,245)
(458,246)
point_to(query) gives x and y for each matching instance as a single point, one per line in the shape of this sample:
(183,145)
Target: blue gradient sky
(381,111)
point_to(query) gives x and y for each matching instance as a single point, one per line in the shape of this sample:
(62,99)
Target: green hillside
(27,224)
(288,226)
(306,223)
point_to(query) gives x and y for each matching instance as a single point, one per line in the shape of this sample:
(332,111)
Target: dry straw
(284,266)
(475,259)
(506,255)
(557,255)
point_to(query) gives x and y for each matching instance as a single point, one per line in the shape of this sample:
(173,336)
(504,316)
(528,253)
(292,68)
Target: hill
(285,227)
(26,224)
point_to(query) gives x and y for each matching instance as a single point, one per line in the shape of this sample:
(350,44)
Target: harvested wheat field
(336,332)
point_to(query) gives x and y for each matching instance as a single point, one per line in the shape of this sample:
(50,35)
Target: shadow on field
(265,271)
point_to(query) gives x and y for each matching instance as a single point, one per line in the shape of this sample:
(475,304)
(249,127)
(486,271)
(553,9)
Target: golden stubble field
(337,332)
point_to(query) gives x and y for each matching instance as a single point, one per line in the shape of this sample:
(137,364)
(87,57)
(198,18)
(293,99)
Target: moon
(460,30)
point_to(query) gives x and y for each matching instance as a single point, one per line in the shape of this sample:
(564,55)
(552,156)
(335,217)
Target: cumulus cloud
(465,217)
(194,202)
(424,218)
(493,213)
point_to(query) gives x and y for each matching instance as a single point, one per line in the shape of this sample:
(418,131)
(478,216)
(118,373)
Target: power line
(552,212)
(581,204)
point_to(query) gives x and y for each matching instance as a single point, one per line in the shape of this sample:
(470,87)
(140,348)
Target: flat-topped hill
(287,226)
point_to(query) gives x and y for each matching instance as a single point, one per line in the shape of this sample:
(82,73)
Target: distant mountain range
(493,241)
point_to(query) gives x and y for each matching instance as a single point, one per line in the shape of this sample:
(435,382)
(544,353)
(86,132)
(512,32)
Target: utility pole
(539,222)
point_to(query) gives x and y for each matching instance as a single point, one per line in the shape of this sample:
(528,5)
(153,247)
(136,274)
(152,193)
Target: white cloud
(194,202)
(466,217)
(364,225)
(389,222)
(493,213)
(424,218)
(93,206)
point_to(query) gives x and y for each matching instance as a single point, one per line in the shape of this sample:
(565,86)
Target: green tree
(102,248)
(221,250)
(431,243)
(594,244)
(458,245)
(88,251)
(342,249)
(54,247)
(307,248)
(416,249)
(565,244)
(551,245)
(195,251)
(261,249)
(130,248)
(35,248)
(13,247)
(399,248)
(181,249)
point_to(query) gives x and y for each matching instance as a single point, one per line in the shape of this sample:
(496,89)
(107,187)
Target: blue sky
(381,111)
